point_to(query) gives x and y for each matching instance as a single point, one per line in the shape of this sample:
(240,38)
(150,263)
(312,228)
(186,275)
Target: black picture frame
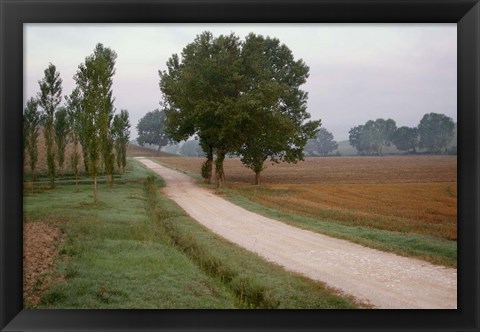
(14,13)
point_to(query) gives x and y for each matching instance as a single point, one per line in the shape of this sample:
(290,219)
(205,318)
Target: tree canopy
(121,137)
(151,129)
(49,98)
(405,139)
(94,80)
(31,131)
(75,120)
(238,97)
(62,130)
(435,132)
(372,137)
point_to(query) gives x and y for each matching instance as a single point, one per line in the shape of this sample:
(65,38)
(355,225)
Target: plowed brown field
(416,194)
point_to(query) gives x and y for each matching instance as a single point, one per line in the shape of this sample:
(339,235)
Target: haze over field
(358,72)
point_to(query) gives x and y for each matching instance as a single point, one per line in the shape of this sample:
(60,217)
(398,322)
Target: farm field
(413,198)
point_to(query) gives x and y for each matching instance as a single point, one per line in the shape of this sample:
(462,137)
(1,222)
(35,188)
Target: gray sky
(358,72)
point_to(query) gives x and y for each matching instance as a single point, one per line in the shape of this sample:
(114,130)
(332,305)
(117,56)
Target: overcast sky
(358,72)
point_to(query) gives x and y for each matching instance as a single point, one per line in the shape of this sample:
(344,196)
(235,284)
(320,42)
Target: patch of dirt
(40,251)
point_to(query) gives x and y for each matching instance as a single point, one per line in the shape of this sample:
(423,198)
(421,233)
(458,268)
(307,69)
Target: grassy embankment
(137,249)
(405,205)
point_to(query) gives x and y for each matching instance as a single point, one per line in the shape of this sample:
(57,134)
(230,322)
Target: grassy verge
(254,282)
(138,249)
(113,258)
(435,250)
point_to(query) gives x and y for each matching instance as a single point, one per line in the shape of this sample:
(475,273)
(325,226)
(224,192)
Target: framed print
(320,113)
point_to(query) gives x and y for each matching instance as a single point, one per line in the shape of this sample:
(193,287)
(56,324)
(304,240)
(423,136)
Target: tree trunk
(33,179)
(208,179)
(95,189)
(219,172)
(257,178)
(76,181)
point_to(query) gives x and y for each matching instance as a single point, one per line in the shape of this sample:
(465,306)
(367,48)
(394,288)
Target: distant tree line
(322,145)
(87,121)
(433,134)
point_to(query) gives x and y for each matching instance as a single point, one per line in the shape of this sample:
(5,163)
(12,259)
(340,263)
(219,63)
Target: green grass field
(138,249)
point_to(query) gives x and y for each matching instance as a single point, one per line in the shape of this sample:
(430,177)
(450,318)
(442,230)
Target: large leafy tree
(405,139)
(435,132)
(49,98)
(200,92)
(121,136)
(272,107)
(151,129)
(62,130)
(322,144)
(94,79)
(75,117)
(31,131)
(231,94)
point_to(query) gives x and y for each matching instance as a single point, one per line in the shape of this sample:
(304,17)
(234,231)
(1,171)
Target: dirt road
(381,279)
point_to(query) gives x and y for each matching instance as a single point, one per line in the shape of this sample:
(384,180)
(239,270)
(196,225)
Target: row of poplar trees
(87,120)
(238,97)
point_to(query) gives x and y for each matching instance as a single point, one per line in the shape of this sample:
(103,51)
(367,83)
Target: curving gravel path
(381,279)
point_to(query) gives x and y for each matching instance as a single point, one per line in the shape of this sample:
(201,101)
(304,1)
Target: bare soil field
(415,194)
(387,169)
(40,249)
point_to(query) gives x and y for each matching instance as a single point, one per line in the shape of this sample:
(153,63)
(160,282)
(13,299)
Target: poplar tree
(61,136)
(49,98)
(121,135)
(31,131)
(74,117)
(94,79)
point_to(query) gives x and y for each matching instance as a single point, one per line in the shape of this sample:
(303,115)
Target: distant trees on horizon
(433,134)
(151,129)
(322,144)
